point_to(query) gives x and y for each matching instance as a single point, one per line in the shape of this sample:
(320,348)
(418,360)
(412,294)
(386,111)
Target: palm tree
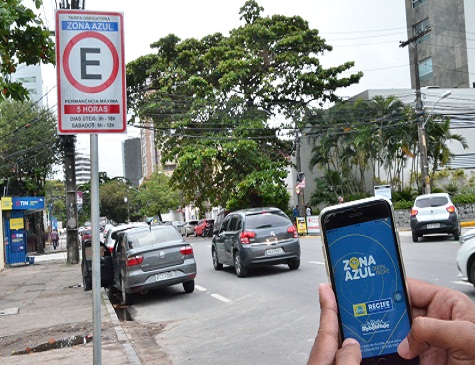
(438,134)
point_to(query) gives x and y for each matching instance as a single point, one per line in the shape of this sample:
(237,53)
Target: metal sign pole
(96,267)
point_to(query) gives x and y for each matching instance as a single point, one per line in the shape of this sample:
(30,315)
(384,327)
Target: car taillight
(450,209)
(111,249)
(414,212)
(186,250)
(134,260)
(245,237)
(293,231)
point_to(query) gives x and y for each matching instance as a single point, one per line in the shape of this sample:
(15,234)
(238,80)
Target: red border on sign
(59,71)
(67,69)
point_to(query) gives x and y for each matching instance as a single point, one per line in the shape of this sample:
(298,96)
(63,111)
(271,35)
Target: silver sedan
(149,258)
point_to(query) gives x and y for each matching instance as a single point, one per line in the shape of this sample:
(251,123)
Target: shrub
(403,204)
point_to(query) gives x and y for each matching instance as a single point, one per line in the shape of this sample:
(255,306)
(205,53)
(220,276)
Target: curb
(122,336)
(467,224)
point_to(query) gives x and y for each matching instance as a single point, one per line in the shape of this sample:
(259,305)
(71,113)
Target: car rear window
(146,236)
(431,202)
(267,220)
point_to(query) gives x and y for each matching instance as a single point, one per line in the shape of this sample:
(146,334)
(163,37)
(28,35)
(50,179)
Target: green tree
(29,147)
(437,135)
(212,104)
(55,194)
(155,196)
(111,200)
(354,139)
(25,39)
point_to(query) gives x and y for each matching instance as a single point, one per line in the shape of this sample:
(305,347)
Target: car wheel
(415,238)
(126,299)
(189,286)
(241,271)
(294,264)
(87,282)
(216,264)
(456,234)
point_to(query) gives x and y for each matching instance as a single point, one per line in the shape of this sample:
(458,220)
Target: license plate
(164,276)
(433,225)
(274,251)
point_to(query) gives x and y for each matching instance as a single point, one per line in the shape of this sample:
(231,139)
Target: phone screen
(367,278)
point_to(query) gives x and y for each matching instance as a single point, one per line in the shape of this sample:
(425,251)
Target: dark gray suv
(256,237)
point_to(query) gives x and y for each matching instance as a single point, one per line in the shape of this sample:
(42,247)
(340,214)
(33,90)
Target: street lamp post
(126,201)
(423,146)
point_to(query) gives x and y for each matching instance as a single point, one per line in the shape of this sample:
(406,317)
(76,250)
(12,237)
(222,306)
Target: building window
(419,27)
(425,69)
(416,3)
(27,79)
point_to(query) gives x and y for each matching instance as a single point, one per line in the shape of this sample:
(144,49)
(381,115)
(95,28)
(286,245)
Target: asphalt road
(271,316)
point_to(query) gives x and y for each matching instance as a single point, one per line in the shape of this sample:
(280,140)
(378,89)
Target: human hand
(443,328)
(325,349)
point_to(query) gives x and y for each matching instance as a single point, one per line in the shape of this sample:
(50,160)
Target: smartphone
(364,264)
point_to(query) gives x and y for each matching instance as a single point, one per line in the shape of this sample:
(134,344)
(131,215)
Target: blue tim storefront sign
(14,223)
(27,203)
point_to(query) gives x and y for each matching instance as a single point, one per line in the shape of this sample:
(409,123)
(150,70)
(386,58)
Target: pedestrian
(442,332)
(296,212)
(55,239)
(308,210)
(340,199)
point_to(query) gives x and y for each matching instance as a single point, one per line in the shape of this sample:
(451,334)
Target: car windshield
(145,237)
(432,202)
(267,220)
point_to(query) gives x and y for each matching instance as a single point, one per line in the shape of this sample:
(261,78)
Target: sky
(367,32)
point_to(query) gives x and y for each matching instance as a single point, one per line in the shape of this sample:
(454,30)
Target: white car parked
(466,256)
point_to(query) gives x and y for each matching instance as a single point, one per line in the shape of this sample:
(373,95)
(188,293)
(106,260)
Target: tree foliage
(29,147)
(155,196)
(24,39)
(111,200)
(353,140)
(55,194)
(212,104)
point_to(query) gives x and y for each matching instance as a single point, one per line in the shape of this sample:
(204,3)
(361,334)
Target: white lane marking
(462,283)
(317,262)
(200,288)
(221,298)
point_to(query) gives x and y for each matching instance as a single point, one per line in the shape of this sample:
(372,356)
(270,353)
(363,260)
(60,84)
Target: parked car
(187,228)
(466,256)
(256,237)
(204,227)
(151,257)
(107,275)
(434,213)
(109,239)
(86,235)
(219,219)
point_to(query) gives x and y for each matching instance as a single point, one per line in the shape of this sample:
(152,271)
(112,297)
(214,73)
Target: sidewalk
(44,307)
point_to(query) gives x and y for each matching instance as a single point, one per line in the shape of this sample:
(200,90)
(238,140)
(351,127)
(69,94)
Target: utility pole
(298,166)
(425,178)
(72,240)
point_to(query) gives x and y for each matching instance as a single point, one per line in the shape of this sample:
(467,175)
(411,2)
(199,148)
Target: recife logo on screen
(357,268)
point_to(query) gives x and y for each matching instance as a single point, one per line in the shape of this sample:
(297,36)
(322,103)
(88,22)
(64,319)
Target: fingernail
(403,348)
(349,341)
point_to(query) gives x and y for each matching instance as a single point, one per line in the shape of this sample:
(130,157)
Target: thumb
(452,336)
(349,354)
